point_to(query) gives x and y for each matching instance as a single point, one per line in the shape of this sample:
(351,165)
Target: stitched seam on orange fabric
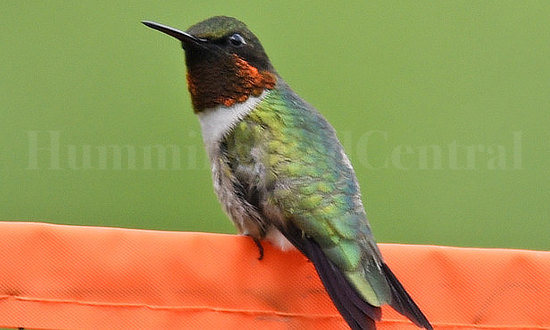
(154,307)
(251,311)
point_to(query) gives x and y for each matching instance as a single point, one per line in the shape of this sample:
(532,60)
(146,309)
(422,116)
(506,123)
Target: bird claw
(259,245)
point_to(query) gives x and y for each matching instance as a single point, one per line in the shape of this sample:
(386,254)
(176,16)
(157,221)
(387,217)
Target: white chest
(216,122)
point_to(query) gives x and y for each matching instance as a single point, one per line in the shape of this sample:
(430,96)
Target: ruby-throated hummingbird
(280,172)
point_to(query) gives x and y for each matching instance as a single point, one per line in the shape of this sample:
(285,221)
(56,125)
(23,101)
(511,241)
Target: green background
(394,78)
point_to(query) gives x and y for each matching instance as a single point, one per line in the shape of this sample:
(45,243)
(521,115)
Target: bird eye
(237,40)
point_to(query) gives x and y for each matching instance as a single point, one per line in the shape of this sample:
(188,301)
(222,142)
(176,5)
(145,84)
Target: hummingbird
(280,172)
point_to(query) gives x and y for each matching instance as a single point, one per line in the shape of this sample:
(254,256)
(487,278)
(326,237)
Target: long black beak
(180,35)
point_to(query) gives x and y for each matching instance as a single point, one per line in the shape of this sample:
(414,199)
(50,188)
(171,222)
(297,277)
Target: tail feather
(402,302)
(359,314)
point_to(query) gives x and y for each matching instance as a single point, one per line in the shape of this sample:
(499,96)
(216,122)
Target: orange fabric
(54,276)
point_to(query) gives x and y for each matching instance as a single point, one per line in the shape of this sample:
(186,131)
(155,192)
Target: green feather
(310,183)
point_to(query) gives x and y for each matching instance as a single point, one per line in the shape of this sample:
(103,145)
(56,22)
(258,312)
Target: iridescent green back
(289,150)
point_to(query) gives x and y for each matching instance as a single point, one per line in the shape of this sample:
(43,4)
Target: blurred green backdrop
(442,106)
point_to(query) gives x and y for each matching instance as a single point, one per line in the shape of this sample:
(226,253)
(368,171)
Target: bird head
(226,63)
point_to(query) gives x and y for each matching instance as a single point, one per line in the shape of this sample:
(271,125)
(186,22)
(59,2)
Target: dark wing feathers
(402,302)
(357,313)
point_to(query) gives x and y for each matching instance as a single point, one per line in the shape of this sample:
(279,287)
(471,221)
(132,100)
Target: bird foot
(259,245)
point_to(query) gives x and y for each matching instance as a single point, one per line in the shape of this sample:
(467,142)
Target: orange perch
(55,276)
